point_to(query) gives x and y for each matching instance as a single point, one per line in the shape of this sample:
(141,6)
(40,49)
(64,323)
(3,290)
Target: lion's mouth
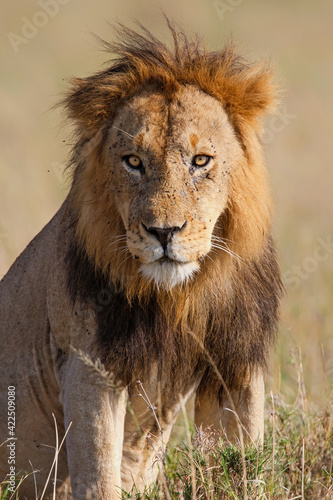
(168,259)
(163,259)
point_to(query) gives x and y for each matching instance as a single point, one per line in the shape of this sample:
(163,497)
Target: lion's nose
(164,234)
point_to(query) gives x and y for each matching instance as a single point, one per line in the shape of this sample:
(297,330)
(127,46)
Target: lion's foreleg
(95,439)
(242,412)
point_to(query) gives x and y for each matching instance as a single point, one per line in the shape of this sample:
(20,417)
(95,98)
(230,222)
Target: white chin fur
(169,273)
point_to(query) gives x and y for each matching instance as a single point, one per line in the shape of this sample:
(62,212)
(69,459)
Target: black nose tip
(164,234)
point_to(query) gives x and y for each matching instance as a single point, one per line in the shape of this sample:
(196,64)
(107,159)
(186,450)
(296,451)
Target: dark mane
(237,335)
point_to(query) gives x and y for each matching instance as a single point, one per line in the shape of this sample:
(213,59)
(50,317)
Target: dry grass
(295,462)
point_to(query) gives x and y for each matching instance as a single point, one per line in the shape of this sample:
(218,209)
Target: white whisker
(220,238)
(122,251)
(116,237)
(208,257)
(119,240)
(124,132)
(226,249)
(123,262)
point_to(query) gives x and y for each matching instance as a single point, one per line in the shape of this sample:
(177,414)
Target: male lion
(159,267)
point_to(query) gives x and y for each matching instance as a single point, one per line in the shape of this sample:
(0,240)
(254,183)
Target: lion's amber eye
(133,161)
(201,160)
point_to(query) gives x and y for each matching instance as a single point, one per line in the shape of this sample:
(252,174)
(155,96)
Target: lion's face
(169,164)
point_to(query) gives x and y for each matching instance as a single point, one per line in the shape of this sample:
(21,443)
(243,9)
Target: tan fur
(96,285)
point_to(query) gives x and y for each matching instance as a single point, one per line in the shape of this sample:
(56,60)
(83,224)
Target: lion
(157,279)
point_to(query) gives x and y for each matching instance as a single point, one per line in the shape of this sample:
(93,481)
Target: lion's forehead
(186,123)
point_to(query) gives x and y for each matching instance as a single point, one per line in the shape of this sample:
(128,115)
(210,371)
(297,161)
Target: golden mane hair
(229,311)
(246,90)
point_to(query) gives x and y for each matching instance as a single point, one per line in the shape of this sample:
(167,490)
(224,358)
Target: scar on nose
(193,140)
(138,141)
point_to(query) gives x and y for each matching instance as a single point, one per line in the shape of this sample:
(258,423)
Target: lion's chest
(140,342)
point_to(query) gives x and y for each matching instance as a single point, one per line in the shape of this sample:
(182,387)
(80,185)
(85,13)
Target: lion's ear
(88,104)
(252,93)
(260,95)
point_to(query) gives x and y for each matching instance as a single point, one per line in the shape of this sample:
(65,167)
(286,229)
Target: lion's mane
(225,318)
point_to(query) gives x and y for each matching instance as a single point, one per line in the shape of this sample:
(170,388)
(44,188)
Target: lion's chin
(169,273)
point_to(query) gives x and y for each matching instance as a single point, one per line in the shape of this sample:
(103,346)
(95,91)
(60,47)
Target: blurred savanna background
(45,42)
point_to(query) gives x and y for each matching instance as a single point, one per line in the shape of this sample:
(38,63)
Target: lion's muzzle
(164,234)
